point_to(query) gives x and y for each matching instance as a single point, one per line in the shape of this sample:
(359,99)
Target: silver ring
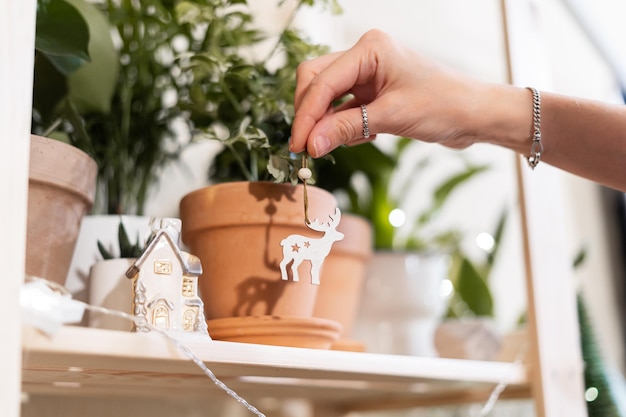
(366,129)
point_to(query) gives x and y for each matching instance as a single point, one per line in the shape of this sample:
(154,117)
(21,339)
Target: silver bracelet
(536,149)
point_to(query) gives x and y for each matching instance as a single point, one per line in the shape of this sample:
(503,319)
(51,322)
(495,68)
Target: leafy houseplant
(120,108)
(174,62)
(240,99)
(241,95)
(407,271)
(126,248)
(61,177)
(109,286)
(365,178)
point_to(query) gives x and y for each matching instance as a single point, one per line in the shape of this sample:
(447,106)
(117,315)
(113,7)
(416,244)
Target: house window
(162,267)
(188,287)
(189,320)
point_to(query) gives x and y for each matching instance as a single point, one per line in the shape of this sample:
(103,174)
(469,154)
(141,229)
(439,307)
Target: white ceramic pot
(101,228)
(405,298)
(111,289)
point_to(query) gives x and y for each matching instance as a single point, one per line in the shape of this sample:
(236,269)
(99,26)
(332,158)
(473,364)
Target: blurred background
(584,48)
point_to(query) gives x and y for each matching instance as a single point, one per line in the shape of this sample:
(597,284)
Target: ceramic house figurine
(165,283)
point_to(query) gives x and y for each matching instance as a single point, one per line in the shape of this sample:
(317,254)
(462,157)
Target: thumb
(349,126)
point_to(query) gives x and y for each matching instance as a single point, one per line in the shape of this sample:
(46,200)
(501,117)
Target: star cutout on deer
(298,248)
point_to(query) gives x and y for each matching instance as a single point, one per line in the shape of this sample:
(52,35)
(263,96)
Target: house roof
(190,263)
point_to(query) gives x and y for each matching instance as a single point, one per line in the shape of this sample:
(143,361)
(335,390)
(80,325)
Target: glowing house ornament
(165,283)
(298,248)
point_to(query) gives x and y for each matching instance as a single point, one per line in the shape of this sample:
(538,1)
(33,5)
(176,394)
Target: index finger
(338,75)
(307,71)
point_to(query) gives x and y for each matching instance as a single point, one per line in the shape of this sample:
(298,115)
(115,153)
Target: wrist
(506,117)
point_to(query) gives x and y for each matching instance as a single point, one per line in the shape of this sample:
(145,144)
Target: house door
(161,317)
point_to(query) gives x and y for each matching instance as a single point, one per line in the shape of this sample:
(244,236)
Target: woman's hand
(406,95)
(409,95)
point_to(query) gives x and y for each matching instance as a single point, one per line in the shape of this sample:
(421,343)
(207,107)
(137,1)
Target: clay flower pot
(236,230)
(343,278)
(61,189)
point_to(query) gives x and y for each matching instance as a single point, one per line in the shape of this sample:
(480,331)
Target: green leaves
(124,103)
(367,180)
(127,249)
(472,293)
(242,76)
(62,35)
(373,198)
(470,279)
(61,46)
(91,87)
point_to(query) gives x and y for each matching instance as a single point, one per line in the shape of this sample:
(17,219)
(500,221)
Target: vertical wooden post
(556,359)
(17,39)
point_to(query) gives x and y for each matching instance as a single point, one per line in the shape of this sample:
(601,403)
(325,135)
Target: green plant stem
(233,100)
(244,169)
(82,137)
(254,161)
(53,126)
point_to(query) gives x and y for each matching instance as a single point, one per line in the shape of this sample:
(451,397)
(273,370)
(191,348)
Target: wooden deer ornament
(298,248)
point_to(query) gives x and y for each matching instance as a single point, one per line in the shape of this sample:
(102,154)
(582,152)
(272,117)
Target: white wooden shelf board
(85,361)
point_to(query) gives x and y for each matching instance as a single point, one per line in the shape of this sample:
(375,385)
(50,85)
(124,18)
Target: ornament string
(185,350)
(55,297)
(487,408)
(305,174)
(63,299)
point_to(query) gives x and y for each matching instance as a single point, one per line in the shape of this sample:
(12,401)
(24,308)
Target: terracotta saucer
(349,345)
(304,332)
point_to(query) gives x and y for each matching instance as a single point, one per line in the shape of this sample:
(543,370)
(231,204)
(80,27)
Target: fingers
(337,128)
(320,83)
(307,71)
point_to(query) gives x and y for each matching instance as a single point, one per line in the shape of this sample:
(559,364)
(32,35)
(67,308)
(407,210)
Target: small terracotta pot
(236,229)
(61,190)
(343,277)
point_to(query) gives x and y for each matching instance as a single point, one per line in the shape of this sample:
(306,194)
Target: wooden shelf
(92,362)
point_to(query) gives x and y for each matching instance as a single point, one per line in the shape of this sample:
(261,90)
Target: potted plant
(118,108)
(108,285)
(410,265)
(121,108)
(62,178)
(236,224)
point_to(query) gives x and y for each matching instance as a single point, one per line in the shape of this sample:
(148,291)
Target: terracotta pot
(343,277)
(236,230)
(61,189)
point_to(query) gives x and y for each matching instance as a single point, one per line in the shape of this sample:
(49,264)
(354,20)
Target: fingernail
(321,144)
